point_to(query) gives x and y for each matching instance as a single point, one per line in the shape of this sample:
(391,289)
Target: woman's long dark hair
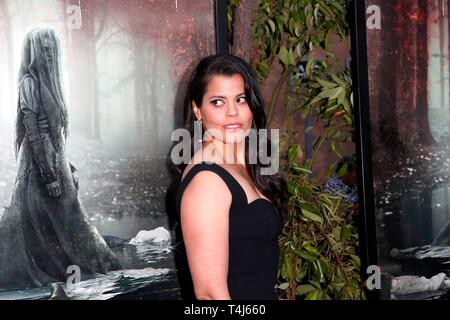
(272,186)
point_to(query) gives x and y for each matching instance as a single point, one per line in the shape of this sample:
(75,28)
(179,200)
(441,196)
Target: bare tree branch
(103,23)
(109,38)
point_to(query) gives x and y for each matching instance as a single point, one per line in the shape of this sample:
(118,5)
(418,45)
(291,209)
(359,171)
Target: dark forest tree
(140,29)
(404,43)
(182,42)
(412,48)
(423,127)
(83,66)
(242,27)
(388,122)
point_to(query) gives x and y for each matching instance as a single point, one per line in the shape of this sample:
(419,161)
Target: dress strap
(239,198)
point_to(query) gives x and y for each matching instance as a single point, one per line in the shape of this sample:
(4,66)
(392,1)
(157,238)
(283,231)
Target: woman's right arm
(204,220)
(30,109)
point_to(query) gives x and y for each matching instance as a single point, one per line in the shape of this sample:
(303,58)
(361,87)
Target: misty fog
(124,63)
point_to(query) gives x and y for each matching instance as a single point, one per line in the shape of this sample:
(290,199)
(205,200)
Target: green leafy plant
(288,31)
(319,244)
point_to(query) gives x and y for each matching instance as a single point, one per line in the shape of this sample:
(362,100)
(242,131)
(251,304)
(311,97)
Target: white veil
(41,61)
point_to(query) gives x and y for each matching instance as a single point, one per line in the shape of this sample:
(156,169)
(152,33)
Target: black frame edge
(221,24)
(367,222)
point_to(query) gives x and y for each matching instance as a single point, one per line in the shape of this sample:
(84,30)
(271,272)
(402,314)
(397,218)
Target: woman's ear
(196,111)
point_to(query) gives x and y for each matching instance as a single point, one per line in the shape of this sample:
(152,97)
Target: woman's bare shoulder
(208,186)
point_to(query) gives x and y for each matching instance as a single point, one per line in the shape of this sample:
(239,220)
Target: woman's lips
(234,126)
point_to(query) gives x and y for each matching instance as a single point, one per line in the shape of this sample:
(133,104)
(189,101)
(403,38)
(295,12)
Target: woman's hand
(53,189)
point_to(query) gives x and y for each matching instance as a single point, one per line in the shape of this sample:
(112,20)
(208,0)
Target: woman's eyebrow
(223,97)
(217,97)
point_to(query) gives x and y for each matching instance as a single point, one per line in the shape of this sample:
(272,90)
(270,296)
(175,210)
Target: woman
(229,211)
(45,229)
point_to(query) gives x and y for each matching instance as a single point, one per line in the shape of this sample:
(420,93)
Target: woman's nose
(232,110)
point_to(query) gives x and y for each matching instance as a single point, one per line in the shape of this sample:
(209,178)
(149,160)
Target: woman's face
(48,51)
(224,110)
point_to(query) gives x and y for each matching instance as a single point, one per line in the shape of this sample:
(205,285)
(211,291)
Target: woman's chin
(234,136)
(234,139)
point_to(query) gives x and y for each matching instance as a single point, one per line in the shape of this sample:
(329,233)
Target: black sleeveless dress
(253,242)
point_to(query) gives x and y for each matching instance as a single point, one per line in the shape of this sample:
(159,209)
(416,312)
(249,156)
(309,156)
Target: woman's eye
(217,102)
(241,100)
